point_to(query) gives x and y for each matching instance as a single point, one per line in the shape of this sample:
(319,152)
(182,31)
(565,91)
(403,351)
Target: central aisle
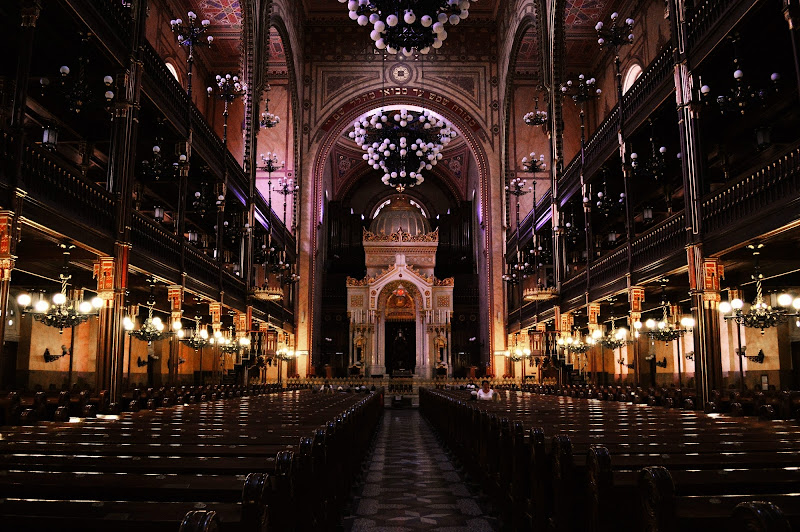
(411,484)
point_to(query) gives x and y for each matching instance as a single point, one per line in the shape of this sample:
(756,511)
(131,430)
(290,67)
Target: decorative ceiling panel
(223,12)
(584,12)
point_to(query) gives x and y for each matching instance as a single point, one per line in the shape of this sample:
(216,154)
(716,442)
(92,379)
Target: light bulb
(127,323)
(85,307)
(737,304)
(796,303)
(24,300)
(177,325)
(97,302)
(59,299)
(784,300)
(41,306)
(725,307)
(651,323)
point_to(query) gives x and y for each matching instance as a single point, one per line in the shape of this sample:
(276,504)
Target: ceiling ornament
(402,144)
(408,25)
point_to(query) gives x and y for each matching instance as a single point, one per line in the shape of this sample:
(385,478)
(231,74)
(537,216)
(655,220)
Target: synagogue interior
(353,265)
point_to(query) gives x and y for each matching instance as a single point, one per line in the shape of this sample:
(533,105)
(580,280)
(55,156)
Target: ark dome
(400,214)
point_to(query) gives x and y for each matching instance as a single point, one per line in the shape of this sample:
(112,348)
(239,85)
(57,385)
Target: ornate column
(112,283)
(215,310)
(704,277)
(594,325)
(635,298)
(7,260)
(175,296)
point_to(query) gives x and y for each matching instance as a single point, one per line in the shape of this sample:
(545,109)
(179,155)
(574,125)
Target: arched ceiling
(580,17)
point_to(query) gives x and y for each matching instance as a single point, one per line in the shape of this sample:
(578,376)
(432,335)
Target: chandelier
(614,339)
(63,312)
(761,315)
(199,337)
(228,343)
(575,345)
(268,292)
(665,330)
(535,117)
(408,25)
(269,120)
(402,144)
(153,328)
(742,96)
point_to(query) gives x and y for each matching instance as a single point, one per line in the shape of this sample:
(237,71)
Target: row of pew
(771,404)
(27,409)
(569,464)
(277,461)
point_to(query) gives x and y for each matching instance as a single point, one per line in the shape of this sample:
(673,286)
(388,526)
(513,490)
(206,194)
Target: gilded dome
(400,214)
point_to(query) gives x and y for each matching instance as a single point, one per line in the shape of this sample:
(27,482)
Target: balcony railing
(659,243)
(653,82)
(65,191)
(152,240)
(765,189)
(609,268)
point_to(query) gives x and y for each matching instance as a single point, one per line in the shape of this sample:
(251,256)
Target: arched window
(173,71)
(633,73)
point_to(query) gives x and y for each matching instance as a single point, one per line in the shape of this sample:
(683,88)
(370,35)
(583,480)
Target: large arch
(338,121)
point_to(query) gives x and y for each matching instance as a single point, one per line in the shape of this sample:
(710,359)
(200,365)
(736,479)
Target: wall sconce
(158,214)
(50,137)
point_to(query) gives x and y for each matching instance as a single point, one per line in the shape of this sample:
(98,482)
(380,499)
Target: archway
(475,140)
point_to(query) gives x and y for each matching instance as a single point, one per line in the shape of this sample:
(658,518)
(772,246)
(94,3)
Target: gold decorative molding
(401,236)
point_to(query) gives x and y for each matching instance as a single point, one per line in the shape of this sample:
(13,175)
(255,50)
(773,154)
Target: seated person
(486,393)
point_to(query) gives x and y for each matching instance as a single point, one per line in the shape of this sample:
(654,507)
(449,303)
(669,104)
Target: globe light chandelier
(408,25)
(152,328)
(402,144)
(63,311)
(614,339)
(198,338)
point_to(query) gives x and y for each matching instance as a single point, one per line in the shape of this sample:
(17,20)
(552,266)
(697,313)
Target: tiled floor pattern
(411,484)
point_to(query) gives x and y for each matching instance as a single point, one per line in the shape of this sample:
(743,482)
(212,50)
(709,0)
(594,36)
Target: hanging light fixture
(402,144)
(408,25)
(742,95)
(153,328)
(615,338)
(535,117)
(761,315)
(198,338)
(62,311)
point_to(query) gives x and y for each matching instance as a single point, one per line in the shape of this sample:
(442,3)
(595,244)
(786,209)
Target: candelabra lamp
(286,187)
(407,26)
(191,35)
(270,164)
(75,86)
(268,119)
(742,96)
(228,88)
(535,117)
(613,37)
(655,167)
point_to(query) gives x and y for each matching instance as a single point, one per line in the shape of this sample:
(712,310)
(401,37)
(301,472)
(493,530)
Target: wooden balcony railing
(66,192)
(659,242)
(158,244)
(609,268)
(768,188)
(641,98)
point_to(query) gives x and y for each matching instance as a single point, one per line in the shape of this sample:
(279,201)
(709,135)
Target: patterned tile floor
(411,484)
